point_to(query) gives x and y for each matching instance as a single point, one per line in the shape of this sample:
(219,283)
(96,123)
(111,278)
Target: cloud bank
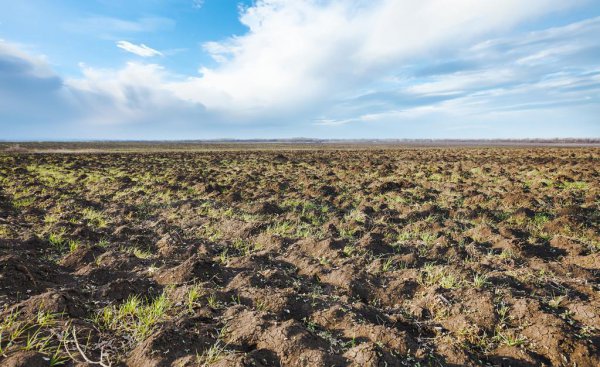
(34,98)
(302,52)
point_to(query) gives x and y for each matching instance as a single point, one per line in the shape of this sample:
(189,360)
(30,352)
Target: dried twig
(82,353)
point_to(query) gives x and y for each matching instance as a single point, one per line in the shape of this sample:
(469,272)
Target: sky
(211,69)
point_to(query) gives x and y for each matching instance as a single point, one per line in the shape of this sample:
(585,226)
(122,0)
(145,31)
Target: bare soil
(372,257)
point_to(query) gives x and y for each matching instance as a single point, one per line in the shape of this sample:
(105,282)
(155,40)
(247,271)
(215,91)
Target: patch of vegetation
(135,317)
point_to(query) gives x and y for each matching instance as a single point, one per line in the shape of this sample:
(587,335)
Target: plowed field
(377,257)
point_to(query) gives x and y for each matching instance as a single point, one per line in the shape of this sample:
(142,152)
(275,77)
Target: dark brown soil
(390,257)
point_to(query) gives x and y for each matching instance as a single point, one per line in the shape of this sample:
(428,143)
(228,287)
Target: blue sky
(185,69)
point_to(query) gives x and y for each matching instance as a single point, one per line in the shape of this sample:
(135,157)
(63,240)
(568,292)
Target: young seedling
(510,339)
(324,261)
(193,295)
(212,355)
(349,250)
(213,302)
(387,265)
(94,217)
(480,281)
(134,317)
(261,306)
(556,301)
(73,245)
(224,256)
(141,254)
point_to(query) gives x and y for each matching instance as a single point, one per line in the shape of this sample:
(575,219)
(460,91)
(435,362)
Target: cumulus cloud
(32,95)
(136,93)
(303,53)
(27,83)
(140,50)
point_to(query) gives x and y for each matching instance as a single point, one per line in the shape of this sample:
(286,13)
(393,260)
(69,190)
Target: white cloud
(140,50)
(31,93)
(136,93)
(306,53)
(37,65)
(337,63)
(461,82)
(527,73)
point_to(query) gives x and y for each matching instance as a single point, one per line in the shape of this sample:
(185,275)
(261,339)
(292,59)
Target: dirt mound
(548,336)
(325,248)
(67,302)
(195,268)
(173,344)
(289,340)
(235,229)
(21,278)
(26,359)
(265,208)
(81,257)
(121,289)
